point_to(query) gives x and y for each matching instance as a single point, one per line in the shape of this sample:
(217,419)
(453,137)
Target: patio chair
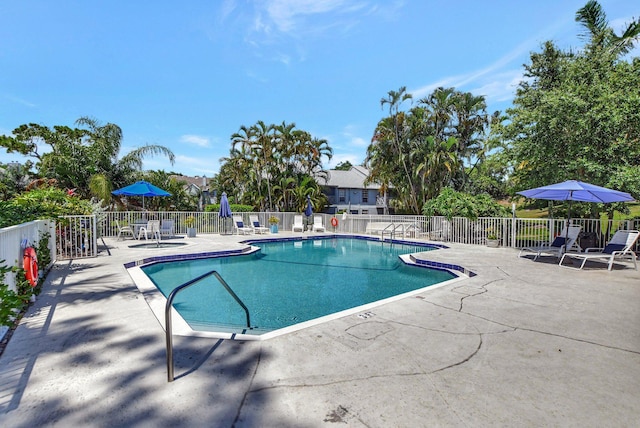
(317,224)
(239,227)
(566,240)
(167,229)
(255,223)
(124,230)
(297,224)
(618,248)
(151,229)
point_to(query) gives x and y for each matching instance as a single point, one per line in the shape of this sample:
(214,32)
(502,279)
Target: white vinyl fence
(14,239)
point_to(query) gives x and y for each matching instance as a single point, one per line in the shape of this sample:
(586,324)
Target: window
(365,196)
(342,195)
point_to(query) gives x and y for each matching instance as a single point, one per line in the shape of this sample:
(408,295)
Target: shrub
(11,303)
(236,208)
(41,203)
(451,203)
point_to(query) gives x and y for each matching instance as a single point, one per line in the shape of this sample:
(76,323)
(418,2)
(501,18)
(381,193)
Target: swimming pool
(292,282)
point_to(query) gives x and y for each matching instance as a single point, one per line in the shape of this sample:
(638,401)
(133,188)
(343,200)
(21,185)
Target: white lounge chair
(297,224)
(151,229)
(317,224)
(123,230)
(167,229)
(618,248)
(240,228)
(564,242)
(255,223)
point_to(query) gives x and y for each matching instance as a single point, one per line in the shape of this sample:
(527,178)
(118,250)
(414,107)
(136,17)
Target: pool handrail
(169,304)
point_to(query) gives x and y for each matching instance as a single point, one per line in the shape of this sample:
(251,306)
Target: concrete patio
(523,343)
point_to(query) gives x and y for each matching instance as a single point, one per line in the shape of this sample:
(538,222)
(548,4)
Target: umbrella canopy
(141,188)
(225,209)
(573,190)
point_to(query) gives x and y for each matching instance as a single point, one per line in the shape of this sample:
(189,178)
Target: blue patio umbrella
(141,188)
(225,209)
(574,190)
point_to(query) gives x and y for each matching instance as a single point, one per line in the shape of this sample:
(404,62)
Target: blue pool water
(289,282)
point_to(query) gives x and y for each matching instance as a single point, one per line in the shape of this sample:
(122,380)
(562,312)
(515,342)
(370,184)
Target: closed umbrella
(308,212)
(141,188)
(225,209)
(574,190)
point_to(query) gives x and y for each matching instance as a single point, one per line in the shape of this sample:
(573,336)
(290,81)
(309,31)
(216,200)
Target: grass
(544,213)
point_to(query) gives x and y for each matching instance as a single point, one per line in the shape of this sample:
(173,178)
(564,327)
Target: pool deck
(523,343)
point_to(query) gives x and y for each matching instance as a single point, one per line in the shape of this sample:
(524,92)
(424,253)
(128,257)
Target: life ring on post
(334,222)
(30,265)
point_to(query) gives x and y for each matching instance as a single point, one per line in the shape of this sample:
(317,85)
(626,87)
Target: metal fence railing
(76,236)
(511,232)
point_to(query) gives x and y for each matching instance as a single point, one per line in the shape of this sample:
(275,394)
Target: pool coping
(157,301)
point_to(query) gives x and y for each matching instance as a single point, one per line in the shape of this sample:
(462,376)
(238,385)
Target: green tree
(14,178)
(577,116)
(343,166)
(436,144)
(179,200)
(267,164)
(86,159)
(601,37)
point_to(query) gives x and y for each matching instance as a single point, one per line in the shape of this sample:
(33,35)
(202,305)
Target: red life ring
(30,265)
(334,222)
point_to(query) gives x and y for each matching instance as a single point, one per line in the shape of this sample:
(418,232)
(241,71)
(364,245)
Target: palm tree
(103,149)
(397,131)
(602,37)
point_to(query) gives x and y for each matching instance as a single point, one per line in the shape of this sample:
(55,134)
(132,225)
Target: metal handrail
(392,233)
(169,304)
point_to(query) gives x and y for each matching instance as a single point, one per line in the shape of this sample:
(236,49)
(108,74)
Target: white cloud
(499,87)
(20,101)
(187,165)
(286,14)
(343,157)
(195,140)
(495,78)
(353,140)
(206,165)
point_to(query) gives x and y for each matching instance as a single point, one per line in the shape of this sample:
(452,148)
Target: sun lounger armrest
(594,249)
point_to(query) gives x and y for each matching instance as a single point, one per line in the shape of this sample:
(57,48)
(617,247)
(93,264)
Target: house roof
(201,183)
(351,179)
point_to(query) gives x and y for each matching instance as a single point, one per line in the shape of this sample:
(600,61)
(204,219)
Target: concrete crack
(473,354)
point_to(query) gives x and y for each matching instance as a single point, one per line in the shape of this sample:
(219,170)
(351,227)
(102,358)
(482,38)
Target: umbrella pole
(566,234)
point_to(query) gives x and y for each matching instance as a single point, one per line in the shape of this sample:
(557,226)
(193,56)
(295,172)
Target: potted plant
(492,238)
(190,222)
(273,221)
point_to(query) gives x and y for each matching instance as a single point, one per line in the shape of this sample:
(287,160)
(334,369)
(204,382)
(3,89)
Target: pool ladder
(169,304)
(392,228)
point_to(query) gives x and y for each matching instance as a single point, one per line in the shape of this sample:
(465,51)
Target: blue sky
(188,74)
